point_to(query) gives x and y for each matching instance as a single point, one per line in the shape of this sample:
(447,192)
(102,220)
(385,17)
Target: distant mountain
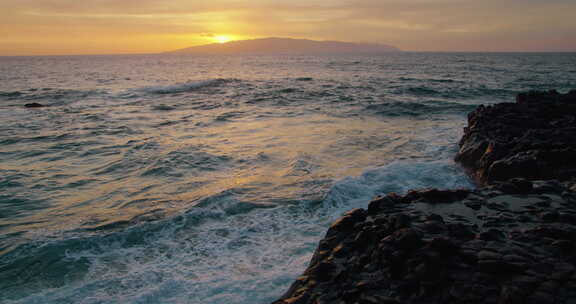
(286,46)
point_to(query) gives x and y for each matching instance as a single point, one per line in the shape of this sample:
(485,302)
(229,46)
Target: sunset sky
(34,27)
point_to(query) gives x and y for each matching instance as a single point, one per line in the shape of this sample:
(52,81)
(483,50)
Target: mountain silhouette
(286,46)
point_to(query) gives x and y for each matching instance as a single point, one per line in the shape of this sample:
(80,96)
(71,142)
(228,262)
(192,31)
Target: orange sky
(34,27)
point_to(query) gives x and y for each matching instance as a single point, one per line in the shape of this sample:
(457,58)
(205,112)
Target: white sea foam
(398,177)
(109,174)
(207,255)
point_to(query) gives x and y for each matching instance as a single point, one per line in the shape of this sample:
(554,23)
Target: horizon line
(168,53)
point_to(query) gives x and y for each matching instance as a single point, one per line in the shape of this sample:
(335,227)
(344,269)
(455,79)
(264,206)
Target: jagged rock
(384,256)
(534,138)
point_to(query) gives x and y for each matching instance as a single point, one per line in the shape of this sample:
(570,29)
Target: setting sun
(222,38)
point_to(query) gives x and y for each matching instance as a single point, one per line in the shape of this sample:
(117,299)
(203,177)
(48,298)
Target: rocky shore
(534,138)
(512,240)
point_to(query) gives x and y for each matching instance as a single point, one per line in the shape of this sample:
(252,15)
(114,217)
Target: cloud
(408,24)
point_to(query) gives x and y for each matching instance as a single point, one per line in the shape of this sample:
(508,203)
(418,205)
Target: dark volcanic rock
(34,105)
(534,138)
(431,256)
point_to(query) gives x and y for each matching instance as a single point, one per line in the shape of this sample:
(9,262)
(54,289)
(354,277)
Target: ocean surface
(182,179)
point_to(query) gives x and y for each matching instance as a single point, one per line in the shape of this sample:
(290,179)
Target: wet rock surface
(534,138)
(492,245)
(511,241)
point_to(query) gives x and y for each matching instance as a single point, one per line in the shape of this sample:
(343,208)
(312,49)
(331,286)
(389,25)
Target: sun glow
(222,38)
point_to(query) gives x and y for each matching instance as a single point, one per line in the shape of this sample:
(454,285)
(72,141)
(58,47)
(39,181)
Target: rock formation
(533,138)
(510,241)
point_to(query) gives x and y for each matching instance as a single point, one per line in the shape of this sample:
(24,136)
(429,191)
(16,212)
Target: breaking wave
(222,250)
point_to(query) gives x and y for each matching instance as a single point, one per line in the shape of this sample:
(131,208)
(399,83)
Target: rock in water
(534,138)
(34,105)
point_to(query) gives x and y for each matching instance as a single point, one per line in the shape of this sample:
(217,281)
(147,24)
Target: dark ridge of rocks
(511,242)
(534,138)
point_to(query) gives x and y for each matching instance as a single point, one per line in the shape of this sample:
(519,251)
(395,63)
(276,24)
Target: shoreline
(511,240)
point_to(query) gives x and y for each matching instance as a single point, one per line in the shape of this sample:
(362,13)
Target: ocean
(183,179)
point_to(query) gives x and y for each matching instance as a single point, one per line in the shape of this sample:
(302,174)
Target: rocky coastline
(511,240)
(534,138)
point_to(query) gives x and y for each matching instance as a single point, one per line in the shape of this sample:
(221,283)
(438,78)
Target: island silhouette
(286,46)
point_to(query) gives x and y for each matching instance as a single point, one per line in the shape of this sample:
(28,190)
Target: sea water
(183,179)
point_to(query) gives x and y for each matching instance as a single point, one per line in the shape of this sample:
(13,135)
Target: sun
(222,38)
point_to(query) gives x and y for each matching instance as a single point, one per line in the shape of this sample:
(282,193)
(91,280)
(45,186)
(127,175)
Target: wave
(55,95)
(185,87)
(10,94)
(185,162)
(419,108)
(51,94)
(427,80)
(452,90)
(222,250)
(398,177)
(223,247)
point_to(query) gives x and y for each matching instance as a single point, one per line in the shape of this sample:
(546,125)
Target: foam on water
(168,179)
(221,251)
(398,177)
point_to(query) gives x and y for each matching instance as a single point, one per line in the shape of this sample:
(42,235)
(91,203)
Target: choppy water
(178,179)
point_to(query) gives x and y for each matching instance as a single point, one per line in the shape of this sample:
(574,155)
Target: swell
(186,86)
(57,96)
(54,95)
(421,108)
